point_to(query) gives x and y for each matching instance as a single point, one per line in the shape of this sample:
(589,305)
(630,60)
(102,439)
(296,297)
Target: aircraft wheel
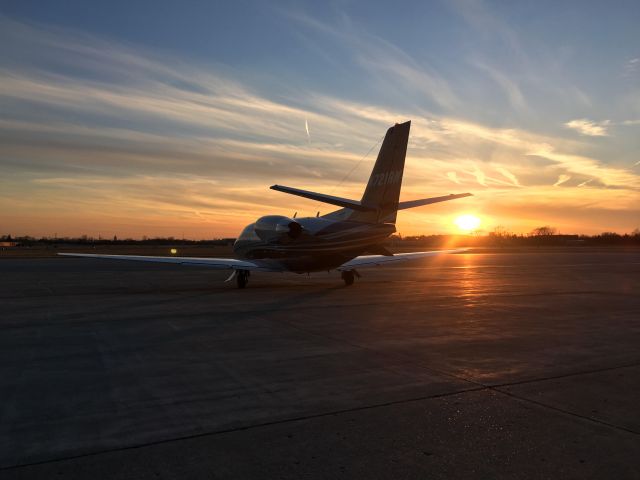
(348,277)
(242,278)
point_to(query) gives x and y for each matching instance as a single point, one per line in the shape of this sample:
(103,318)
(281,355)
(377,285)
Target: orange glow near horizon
(99,222)
(136,142)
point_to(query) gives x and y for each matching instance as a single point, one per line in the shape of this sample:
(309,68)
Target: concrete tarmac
(508,365)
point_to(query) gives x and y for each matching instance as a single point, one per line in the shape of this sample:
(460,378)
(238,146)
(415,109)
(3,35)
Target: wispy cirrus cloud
(526,75)
(632,66)
(562,178)
(509,175)
(386,62)
(589,127)
(453,176)
(481,178)
(508,85)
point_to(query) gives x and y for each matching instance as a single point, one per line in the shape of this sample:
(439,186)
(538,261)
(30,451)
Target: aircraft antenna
(354,167)
(358,164)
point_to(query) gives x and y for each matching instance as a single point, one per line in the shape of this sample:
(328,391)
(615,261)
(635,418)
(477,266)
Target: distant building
(8,244)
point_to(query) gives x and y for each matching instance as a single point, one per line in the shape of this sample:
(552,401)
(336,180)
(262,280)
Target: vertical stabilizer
(383,189)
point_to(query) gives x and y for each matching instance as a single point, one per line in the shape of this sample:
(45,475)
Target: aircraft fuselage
(308,244)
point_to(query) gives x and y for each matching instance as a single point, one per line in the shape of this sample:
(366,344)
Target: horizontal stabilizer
(427,201)
(321,197)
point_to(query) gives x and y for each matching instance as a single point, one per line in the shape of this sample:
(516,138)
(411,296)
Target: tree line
(499,237)
(540,236)
(89,240)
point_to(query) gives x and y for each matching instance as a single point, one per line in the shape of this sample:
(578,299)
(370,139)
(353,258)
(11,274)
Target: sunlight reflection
(468,279)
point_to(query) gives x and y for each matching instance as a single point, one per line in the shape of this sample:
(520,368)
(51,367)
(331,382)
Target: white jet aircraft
(335,241)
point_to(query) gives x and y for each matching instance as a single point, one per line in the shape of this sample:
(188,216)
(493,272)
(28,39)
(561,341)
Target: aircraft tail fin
(381,200)
(383,190)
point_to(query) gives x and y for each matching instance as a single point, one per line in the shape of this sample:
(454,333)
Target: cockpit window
(249,233)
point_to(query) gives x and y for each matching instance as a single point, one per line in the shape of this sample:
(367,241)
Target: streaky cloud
(589,128)
(562,178)
(453,176)
(480,176)
(382,59)
(509,175)
(511,89)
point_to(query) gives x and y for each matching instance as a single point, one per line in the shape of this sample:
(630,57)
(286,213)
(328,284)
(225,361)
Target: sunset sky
(149,118)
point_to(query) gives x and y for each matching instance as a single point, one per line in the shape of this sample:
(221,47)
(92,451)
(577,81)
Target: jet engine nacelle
(272,227)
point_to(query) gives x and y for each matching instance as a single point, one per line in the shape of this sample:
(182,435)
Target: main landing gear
(349,276)
(242,278)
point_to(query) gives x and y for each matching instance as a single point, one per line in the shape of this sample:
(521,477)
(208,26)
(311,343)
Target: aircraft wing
(218,263)
(377,260)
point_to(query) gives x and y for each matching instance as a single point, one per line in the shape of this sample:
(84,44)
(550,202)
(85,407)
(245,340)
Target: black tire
(242,278)
(348,277)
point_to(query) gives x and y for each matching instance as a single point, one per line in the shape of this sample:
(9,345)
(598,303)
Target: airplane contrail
(306,127)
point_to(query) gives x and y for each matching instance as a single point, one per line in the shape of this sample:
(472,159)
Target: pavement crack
(478,386)
(564,411)
(565,375)
(244,428)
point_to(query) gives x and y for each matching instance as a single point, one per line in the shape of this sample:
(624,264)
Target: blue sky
(155,118)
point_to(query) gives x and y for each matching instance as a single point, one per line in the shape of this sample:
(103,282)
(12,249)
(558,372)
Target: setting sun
(467,222)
